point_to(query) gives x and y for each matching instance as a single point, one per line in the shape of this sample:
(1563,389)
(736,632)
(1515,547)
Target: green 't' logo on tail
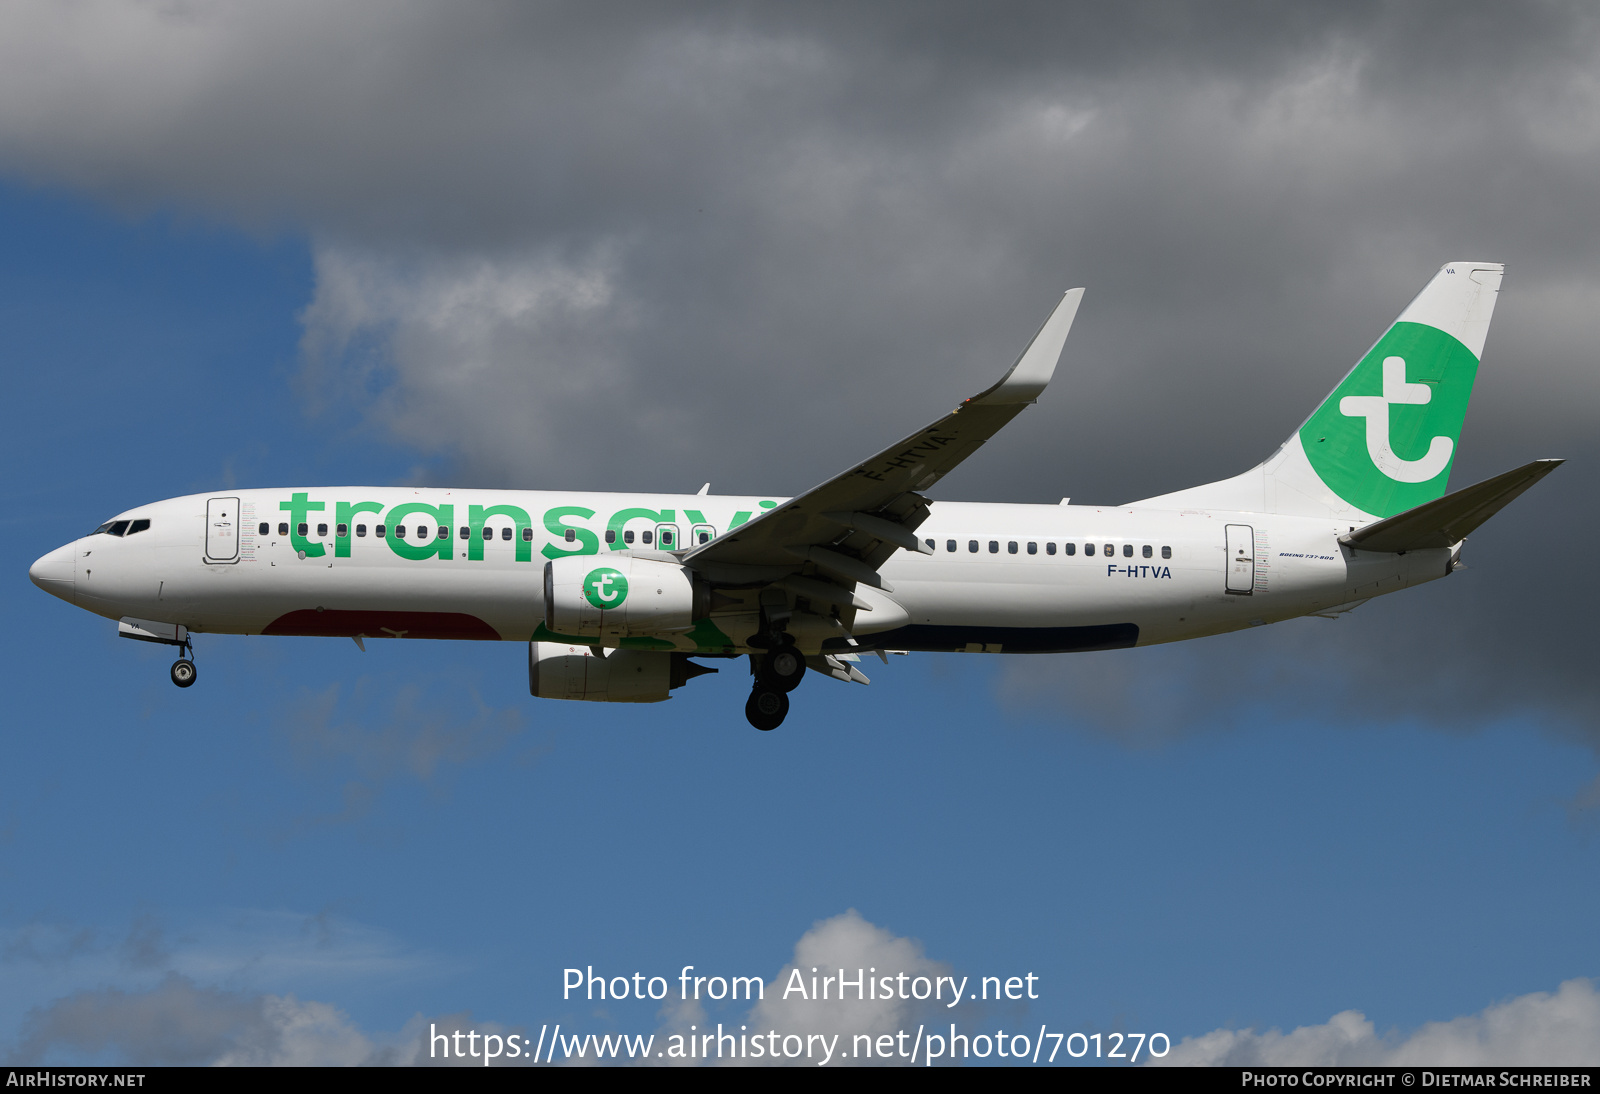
(1385,439)
(605,588)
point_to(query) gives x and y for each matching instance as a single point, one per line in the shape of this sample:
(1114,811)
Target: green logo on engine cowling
(1385,439)
(605,588)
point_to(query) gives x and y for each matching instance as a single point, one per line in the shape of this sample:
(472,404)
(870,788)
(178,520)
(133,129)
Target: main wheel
(766,708)
(783,668)
(183,672)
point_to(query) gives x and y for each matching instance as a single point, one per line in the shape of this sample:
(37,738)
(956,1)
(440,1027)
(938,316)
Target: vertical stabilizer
(1384,440)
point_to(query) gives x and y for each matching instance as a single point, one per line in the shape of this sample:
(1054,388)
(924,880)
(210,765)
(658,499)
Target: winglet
(1028,377)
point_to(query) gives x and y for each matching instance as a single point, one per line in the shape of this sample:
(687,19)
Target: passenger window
(444,531)
(283,529)
(527,535)
(572,536)
(704,536)
(1127,550)
(322,531)
(994,546)
(399,531)
(972,545)
(627,535)
(379,530)
(1166,552)
(1050,548)
(466,532)
(929,544)
(666,538)
(1033,548)
(118,527)
(361,531)
(949,545)
(611,535)
(1110,550)
(263,529)
(505,533)
(646,536)
(302,529)
(344,531)
(1011,547)
(703,533)
(1147,551)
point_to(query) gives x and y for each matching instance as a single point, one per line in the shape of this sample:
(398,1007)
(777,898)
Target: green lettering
(443,515)
(477,514)
(344,511)
(587,542)
(298,507)
(623,516)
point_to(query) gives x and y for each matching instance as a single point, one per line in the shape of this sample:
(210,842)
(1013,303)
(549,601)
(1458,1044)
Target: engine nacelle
(620,597)
(559,671)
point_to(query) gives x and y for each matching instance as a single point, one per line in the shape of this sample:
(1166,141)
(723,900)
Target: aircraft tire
(766,708)
(783,668)
(183,673)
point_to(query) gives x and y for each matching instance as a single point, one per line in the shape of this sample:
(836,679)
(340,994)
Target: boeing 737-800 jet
(615,593)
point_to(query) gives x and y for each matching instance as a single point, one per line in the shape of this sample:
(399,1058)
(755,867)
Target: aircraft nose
(56,572)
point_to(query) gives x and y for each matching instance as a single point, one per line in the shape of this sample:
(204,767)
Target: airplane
(616,594)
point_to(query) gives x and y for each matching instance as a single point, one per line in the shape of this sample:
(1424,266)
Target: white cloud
(1539,1029)
(183,1018)
(181,1023)
(847,944)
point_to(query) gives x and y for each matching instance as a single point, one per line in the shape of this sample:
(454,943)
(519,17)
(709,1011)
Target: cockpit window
(104,528)
(139,526)
(117,528)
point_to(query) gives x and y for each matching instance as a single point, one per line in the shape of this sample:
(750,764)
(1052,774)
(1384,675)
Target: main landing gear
(767,707)
(778,672)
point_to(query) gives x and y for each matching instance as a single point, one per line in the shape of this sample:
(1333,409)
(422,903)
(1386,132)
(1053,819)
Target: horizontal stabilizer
(1446,521)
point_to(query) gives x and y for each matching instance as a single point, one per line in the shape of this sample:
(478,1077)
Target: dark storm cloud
(639,246)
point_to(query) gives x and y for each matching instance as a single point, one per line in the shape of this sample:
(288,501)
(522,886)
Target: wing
(846,527)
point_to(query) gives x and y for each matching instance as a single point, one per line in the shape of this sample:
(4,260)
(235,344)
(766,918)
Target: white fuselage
(1000,579)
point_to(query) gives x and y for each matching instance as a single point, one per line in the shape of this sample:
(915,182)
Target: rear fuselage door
(222,530)
(1241,559)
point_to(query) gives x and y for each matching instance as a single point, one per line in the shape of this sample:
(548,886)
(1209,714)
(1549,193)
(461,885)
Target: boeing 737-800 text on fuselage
(615,593)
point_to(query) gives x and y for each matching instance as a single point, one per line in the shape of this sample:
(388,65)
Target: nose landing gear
(183,670)
(183,673)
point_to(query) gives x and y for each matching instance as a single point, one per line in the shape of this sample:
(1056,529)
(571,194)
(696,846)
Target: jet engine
(621,596)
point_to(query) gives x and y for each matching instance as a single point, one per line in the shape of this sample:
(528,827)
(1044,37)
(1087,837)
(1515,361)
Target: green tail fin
(1384,441)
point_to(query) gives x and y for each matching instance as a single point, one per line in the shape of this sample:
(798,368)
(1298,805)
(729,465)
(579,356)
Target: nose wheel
(767,707)
(183,672)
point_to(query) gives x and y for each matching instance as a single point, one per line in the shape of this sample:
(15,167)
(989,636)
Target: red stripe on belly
(344,624)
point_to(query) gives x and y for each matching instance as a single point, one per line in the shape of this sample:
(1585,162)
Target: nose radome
(56,572)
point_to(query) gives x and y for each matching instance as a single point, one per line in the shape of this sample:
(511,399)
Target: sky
(641,246)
